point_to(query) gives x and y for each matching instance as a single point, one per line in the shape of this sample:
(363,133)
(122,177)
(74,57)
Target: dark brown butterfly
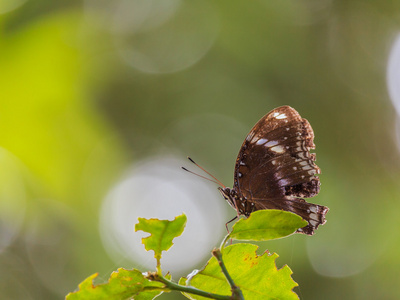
(275,169)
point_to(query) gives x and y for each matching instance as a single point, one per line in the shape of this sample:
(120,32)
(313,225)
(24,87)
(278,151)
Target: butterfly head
(229,195)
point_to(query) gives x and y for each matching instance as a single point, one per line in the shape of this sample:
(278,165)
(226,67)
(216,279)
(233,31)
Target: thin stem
(236,292)
(222,246)
(186,289)
(158,267)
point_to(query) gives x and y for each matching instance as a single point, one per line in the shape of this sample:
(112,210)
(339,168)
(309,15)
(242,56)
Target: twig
(186,289)
(236,292)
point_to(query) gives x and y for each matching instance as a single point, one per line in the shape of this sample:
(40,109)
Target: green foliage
(49,126)
(123,284)
(264,225)
(257,276)
(235,272)
(162,233)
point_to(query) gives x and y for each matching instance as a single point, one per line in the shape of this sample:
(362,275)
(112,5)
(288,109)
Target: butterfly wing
(275,169)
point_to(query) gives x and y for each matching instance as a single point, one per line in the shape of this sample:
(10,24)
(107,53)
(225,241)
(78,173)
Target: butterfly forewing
(275,166)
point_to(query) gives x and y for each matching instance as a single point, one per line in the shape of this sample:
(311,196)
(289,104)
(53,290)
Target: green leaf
(162,233)
(122,284)
(268,224)
(256,275)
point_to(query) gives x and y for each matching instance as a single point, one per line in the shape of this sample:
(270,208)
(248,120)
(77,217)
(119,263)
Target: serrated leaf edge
(274,254)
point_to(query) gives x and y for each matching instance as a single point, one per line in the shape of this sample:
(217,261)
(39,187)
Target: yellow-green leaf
(122,284)
(256,275)
(162,233)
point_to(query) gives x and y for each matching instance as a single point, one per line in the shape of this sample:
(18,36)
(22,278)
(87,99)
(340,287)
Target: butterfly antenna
(199,175)
(215,179)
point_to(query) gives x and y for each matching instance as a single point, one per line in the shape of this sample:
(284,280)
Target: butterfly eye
(225,192)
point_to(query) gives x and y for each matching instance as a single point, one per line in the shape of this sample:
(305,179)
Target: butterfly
(275,169)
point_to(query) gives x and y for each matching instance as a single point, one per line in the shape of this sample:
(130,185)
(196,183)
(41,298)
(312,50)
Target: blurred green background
(90,90)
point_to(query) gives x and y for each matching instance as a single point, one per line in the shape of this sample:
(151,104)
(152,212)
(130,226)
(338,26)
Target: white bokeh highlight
(393,82)
(157,37)
(393,74)
(158,188)
(164,39)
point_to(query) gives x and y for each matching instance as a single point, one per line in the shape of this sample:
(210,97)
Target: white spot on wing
(281,116)
(301,155)
(261,141)
(271,143)
(278,149)
(284,182)
(254,139)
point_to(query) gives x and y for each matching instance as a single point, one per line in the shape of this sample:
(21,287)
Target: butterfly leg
(226,224)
